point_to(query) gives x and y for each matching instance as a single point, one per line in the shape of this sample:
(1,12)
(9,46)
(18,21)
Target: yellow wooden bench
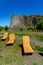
(26,45)
(5,36)
(11,39)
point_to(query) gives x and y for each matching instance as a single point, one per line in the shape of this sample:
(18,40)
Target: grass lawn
(35,35)
(40,38)
(12,55)
(37,48)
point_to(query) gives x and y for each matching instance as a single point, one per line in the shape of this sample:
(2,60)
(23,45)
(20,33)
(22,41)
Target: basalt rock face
(17,22)
(22,21)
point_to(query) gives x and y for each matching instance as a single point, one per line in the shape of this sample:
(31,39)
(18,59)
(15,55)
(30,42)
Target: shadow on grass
(41,53)
(23,53)
(9,44)
(3,39)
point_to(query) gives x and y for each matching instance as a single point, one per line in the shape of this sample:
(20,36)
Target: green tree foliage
(31,28)
(6,28)
(39,25)
(0,28)
(34,20)
(21,29)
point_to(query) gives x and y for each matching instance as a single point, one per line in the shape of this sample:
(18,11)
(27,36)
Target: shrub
(31,28)
(0,28)
(39,25)
(21,29)
(6,28)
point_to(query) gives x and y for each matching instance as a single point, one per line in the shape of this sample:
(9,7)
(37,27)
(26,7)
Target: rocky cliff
(24,21)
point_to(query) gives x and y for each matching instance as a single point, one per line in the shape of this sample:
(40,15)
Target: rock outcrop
(17,22)
(23,21)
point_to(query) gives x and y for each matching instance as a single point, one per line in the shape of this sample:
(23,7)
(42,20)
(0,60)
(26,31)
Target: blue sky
(20,7)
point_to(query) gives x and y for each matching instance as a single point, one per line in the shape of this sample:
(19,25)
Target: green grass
(41,60)
(35,64)
(9,55)
(40,38)
(36,48)
(40,49)
(12,55)
(35,35)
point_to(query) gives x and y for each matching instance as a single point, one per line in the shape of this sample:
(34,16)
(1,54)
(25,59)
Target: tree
(34,20)
(21,29)
(39,25)
(0,28)
(6,28)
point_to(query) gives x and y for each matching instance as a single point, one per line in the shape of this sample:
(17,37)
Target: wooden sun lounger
(11,39)
(26,45)
(5,36)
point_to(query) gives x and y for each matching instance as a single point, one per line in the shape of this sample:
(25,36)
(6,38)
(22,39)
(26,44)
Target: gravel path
(1,34)
(39,43)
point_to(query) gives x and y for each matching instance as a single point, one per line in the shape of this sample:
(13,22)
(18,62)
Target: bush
(6,28)
(1,28)
(21,29)
(39,25)
(31,28)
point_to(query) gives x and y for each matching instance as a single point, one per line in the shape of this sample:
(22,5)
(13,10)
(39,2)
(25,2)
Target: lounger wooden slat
(26,45)
(11,39)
